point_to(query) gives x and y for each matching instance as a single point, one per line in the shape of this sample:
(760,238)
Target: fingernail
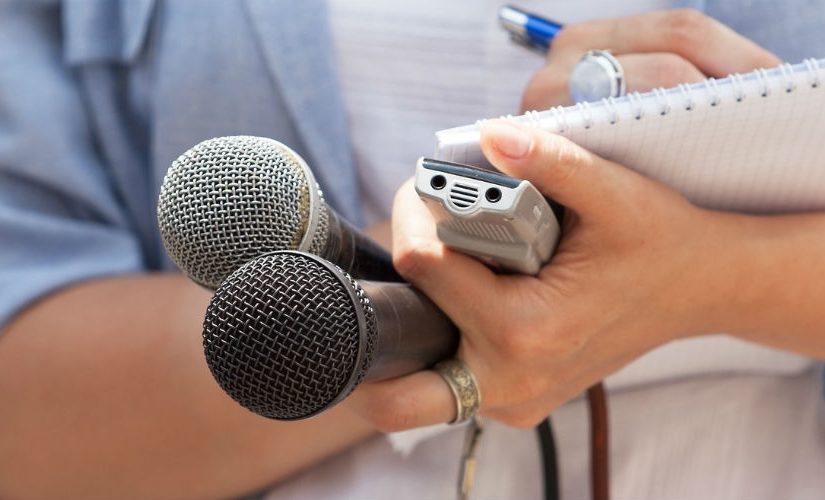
(509,139)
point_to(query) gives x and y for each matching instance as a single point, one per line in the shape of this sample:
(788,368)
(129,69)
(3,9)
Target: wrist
(721,281)
(756,278)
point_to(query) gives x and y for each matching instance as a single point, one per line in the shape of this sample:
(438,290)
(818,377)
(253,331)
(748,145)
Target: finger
(443,275)
(715,49)
(416,400)
(645,72)
(557,167)
(547,87)
(550,84)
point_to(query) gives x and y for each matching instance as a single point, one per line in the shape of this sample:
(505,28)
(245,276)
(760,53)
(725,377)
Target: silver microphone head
(228,200)
(289,335)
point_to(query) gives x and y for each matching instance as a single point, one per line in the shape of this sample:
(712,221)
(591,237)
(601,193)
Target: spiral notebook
(750,143)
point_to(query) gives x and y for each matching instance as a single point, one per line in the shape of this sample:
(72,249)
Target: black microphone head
(228,200)
(288,335)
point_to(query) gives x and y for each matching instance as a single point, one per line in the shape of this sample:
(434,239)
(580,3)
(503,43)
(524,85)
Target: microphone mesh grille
(282,336)
(228,200)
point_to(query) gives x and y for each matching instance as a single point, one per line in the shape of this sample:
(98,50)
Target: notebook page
(752,143)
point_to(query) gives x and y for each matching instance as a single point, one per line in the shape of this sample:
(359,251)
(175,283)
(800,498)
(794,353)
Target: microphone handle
(412,332)
(356,253)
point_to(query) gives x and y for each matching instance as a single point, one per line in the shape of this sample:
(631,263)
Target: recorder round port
(438,182)
(493,195)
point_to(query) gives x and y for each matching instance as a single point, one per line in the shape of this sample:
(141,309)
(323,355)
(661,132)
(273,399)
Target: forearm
(769,283)
(104,392)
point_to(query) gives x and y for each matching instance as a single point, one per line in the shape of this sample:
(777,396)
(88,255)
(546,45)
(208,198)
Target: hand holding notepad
(751,143)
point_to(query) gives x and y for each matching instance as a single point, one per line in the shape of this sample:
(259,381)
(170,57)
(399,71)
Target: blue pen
(528,29)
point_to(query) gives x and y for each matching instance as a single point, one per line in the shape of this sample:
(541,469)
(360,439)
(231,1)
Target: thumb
(559,168)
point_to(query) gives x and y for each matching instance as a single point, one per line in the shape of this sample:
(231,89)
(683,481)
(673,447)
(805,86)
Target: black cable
(548,455)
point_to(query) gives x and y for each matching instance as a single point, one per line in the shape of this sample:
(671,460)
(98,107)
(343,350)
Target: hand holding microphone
(624,278)
(289,335)
(228,201)
(515,329)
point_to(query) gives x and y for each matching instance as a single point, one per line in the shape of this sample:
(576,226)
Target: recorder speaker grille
(463,195)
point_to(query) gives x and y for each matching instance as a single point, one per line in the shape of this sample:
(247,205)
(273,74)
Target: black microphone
(228,200)
(289,335)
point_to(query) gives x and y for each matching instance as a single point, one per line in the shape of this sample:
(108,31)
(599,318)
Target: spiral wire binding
(610,104)
(661,98)
(812,66)
(787,72)
(738,85)
(712,89)
(586,112)
(635,97)
(560,117)
(533,118)
(558,113)
(763,79)
(688,96)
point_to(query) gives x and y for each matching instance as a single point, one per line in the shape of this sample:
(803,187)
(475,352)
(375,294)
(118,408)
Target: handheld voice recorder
(502,220)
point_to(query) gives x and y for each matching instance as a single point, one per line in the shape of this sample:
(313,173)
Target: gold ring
(464,386)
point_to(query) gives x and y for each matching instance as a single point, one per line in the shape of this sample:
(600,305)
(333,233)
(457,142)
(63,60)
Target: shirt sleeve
(60,219)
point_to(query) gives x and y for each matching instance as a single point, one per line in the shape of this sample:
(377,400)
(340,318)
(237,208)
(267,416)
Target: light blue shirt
(97,97)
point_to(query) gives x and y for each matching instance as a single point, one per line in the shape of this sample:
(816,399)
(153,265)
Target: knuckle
(545,89)
(413,258)
(567,153)
(565,159)
(571,35)
(670,69)
(518,343)
(534,92)
(530,100)
(576,38)
(685,26)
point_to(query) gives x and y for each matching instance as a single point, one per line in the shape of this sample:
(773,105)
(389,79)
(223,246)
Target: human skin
(638,266)
(656,49)
(104,392)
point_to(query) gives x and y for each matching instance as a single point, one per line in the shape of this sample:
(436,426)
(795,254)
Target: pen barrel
(541,31)
(528,29)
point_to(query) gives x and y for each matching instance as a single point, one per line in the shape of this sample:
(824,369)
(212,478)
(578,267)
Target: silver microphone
(230,199)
